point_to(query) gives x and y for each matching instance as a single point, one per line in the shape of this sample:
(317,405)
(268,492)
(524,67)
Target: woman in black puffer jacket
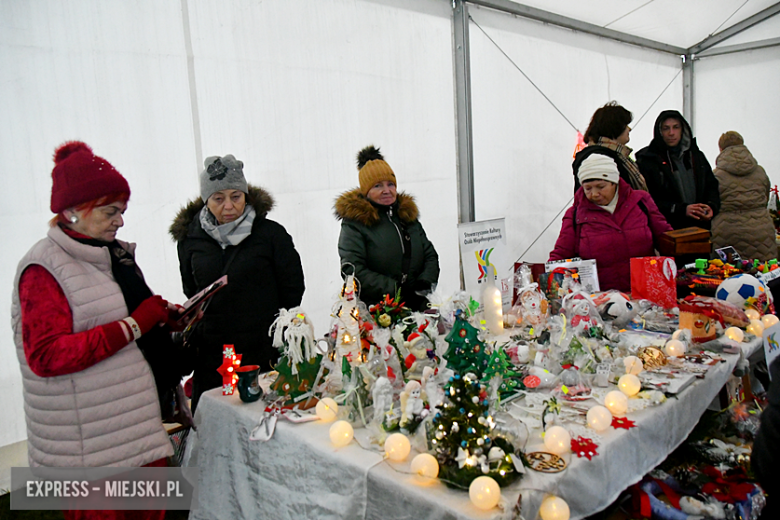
(226,231)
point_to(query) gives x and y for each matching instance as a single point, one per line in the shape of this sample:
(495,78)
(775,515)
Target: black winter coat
(264,276)
(373,238)
(655,163)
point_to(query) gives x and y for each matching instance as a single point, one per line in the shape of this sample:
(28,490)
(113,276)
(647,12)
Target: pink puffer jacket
(611,239)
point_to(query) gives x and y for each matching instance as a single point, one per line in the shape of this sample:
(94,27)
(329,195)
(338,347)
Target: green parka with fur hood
(374,238)
(265,274)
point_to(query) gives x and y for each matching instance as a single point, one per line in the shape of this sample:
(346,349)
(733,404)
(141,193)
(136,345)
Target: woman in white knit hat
(609,222)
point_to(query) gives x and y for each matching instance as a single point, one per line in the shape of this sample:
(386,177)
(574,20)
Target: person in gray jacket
(382,238)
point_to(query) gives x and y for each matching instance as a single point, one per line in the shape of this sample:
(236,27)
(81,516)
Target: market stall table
(299,474)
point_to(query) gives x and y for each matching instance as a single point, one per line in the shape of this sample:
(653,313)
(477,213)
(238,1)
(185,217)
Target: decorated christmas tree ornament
(674,348)
(734,334)
(341,433)
(599,418)
(230,362)
(767,320)
(425,467)
(554,508)
(397,447)
(755,328)
(616,402)
(484,492)
(327,409)
(629,384)
(465,353)
(557,440)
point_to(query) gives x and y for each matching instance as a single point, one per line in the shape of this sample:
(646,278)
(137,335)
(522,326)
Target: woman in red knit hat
(87,334)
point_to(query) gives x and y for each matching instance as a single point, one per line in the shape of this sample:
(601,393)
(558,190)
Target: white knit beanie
(598,167)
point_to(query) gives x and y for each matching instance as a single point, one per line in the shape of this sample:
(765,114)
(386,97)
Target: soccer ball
(743,290)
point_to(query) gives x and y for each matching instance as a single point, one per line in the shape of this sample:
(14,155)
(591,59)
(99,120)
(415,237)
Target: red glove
(174,315)
(152,311)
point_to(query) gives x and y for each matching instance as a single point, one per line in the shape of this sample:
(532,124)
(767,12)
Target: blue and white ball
(743,290)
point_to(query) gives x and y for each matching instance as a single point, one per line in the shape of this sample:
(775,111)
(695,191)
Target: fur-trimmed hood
(353,205)
(261,200)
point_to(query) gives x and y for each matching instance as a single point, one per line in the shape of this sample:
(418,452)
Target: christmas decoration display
(230,362)
(300,366)
(466,352)
(462,437)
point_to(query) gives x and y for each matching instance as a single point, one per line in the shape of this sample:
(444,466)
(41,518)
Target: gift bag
(653,278)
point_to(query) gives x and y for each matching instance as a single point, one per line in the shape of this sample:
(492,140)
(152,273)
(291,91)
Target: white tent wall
(293,89)
(523,148)
(739,92)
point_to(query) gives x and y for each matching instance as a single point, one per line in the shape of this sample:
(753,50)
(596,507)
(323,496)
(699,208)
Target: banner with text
(483,255)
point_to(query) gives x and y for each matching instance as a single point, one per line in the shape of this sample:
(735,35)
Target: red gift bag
(654,278)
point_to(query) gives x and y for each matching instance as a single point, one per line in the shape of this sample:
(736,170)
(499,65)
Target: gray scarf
(232,233)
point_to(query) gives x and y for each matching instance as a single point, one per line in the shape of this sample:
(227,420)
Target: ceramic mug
(248,386)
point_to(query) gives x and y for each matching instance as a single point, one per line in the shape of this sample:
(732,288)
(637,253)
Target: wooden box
(685,241)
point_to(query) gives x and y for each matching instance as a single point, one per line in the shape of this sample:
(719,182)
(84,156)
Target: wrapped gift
(653,278)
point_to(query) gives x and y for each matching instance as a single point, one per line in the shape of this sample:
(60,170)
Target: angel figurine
(383,399)
(412,405)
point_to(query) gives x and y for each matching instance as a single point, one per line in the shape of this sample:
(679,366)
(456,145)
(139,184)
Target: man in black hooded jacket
(677,173)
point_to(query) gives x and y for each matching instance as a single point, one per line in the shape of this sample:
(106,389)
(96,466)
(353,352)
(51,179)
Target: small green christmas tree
(295,385)
(498,366)
(466,353)
(461,437)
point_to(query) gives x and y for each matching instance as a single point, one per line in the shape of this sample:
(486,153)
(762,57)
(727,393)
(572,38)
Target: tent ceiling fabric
(682,24)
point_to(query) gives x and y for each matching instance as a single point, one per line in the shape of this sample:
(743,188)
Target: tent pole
(688,105)
(460,25)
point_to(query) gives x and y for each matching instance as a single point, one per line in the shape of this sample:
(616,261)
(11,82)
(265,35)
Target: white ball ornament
(752,314)
(397,447)
(327,409)
(484,492)
(341,433)
(629,384)
(616,402)
(557,440)
(599,418)
(633,365)
(755,328)
(554,508)
(674,348)
(734,334)
(425,467)
(767,320)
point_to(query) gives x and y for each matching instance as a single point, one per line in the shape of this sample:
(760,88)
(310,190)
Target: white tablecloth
(298,474)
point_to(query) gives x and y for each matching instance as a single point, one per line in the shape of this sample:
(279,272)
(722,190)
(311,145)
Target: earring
(73,219)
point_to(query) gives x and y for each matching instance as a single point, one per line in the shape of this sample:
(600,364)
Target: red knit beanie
(80,176)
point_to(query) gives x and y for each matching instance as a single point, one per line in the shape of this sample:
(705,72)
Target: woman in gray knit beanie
(225,232)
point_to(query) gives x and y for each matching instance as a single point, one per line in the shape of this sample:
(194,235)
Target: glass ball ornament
(554,508)
(425,467)
(397,447)
(633,365)
(767,320)
(557,440)
(734,334)
(629,384)
(327,409)
(616,402)
(341,433)
(484,492)
(674,348)
(752,314)
(755,328)
(599,418)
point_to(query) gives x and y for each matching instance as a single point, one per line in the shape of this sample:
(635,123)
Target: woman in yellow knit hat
(382,237)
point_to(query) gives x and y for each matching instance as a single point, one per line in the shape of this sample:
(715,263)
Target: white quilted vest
(107,414)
